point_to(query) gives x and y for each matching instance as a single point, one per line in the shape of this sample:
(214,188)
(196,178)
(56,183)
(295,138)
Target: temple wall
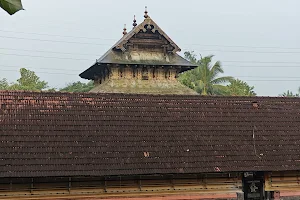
(146,73)
(100,80)
(141,80)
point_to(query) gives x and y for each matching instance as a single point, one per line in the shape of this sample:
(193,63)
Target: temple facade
(144,61)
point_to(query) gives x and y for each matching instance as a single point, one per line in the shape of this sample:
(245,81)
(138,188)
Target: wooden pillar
(139,73)
(156,73)
(150,73)
(240,195)
(160,73)
(268,195)
(114,73)
(70,185)
(172,74)
(31,186)
(128,73)
(145,73)
(120,72)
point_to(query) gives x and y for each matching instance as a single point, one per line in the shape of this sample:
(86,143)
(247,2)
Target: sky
(256,41)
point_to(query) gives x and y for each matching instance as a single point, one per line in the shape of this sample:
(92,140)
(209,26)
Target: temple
(145,61)
(139,134)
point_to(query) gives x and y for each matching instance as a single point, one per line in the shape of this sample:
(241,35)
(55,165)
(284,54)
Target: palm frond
(216,69)
(219,90)
(224,79)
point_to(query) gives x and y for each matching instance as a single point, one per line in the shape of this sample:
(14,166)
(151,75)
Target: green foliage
(239,88)
(28,81)
(190,56)
(4,85)
(78,87)
(11,6)
(290,94)
(205,78)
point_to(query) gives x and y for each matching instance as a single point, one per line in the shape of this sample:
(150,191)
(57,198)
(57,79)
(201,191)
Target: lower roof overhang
(95,70)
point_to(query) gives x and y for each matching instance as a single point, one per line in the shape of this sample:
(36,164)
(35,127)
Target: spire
(134,22)
(124,30)
(146,13)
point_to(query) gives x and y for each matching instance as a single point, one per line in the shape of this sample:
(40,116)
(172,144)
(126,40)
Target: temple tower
(144,61)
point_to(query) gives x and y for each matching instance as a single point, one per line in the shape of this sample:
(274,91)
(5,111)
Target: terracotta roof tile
(65,134)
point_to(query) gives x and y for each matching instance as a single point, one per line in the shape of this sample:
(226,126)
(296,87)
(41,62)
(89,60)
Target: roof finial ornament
(146,13)
(124,30)
(134,22)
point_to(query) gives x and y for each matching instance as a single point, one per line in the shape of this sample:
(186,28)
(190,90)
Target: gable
(147,35)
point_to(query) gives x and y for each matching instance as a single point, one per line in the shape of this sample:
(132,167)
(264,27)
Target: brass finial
(134,22)
(146,13)
(124,30)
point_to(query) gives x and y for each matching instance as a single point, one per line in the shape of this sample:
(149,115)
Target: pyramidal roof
(145,44)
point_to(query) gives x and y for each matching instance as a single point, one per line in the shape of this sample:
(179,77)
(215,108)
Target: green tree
(4,85)
(191,56)
(78,87)
(11,6)
(28,81)
(205,79)
(239,88)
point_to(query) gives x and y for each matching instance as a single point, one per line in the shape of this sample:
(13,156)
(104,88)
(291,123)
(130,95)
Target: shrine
(143,61)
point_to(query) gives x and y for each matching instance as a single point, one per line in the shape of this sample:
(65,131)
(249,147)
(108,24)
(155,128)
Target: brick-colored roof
(63,134)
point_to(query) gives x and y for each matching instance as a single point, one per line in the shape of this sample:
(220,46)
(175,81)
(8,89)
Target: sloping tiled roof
(64,134)
(115,55)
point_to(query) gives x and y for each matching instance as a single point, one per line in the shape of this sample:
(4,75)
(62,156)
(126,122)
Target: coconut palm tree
(205,79)
(290,94)
(240,88)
